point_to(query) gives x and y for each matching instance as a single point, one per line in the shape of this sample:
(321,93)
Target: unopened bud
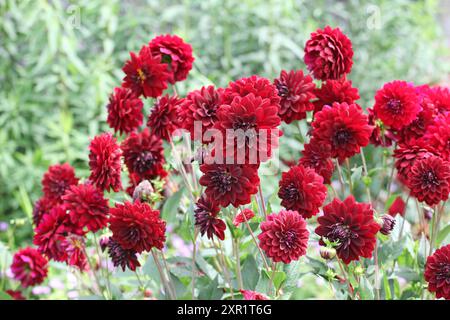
(359,271)
(387,224)
(143,191)
(427,214)
(327,253)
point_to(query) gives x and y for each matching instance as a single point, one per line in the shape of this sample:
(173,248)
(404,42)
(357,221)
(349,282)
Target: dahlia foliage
(190,201)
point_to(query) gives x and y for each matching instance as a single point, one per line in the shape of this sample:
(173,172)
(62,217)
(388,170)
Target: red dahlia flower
(29,267)
(176,53)
(104,161)
(200,105)
(41,207)
(429,180)
(296,91)
(87,207)
(438,135)
(74,245)
(145,74)
(143,154)
(335,91)
(344,127)
(243,216)
(302,190)
(164,117)
(437,272)
(440,97)
(259,86)
(328,54)
(229,183)
(136,226)
(120,257)
(317,156)
(352,226)
(206,218)
(284,236)
(397,207)
(397,104)
(253,295)
(257,121)
(57,180)
(405,157)
(124,111)
(16,295)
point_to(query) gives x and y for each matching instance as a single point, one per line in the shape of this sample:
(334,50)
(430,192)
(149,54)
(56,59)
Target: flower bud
(143,191)
(387,224)
(427,214)
(327,253)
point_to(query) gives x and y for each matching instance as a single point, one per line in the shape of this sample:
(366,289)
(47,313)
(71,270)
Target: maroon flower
(229,184)
(145,74)
(243,216)
(440,97)
(429,180)
(397,207)
(176,53)
(57,180)
(41,207)
(387,224)
(104,161)
(437,272)
(201,106)
(252,122)
(136,226)
(74,245)
(351,225)
(302,190)
(438,135)
(328,54)
(284,236)
(120,257)
(29,267)
(16,295)
(335,91)
(296,91)
(253,295)
(397,104)
(259,86)
(143,154)
(164,117)
(124,111)
(317,156)
(206,218)
(344,127)
(405,157)
(87,207)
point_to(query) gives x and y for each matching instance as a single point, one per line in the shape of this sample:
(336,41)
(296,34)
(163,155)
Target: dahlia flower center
(288,238)
(58,188)
(245,124)
(283,90)
(394,106)
(444,272)
(292,193)
(341,137)
(429,179)
(144,161)
(223,181)
(342,234)
(141,75)
(132,235)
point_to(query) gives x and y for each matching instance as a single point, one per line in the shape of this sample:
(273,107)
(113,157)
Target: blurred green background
(59,60)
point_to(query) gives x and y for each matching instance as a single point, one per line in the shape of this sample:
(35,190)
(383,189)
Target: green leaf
(5,296)
(250,275)
(212,291)
(442,235)
(169,210)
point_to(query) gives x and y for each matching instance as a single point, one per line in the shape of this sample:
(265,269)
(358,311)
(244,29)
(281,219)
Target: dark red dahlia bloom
(438,135)
(387,224)
(104,161)
(429,180)
(243,216)
(397,207)
(302,190)
(440,97)
(164,117)
(284,236)
(145,74)
(201,106)
(296,91)
(29,267)
(229,183)
(437,272)
(136,226)
(206,218)
(405,157)
(41,207)
(352,226)
(344,127)
(176,53)
(317,156)
(397,104)
(328,54)
(87,207)
(259,86)
(124,111)
(74,245)
(335,91)
(57,180)
(16,295)
(253,295)
(143,154)
(252,122)
(120,257)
